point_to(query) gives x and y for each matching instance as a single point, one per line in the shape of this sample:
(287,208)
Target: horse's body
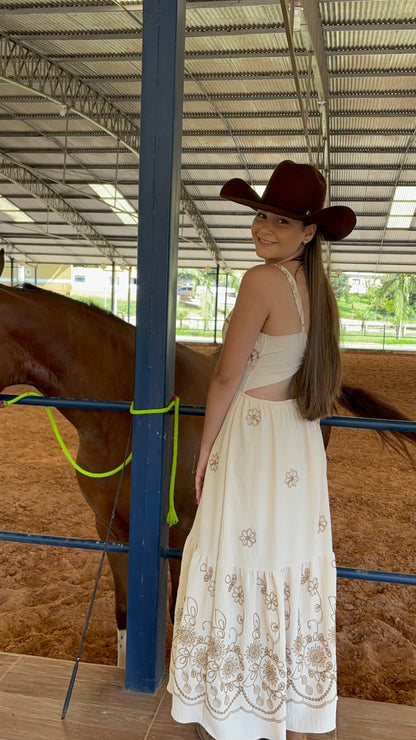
(65,348)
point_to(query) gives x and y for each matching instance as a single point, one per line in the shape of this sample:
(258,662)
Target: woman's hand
(200,474)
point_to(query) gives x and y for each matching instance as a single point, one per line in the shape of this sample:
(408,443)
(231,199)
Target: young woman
(253,652)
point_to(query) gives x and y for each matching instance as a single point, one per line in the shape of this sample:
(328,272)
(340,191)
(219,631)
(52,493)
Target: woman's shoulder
(259,272)
(261,276)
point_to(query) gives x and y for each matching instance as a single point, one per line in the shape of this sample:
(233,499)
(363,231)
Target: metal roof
(328,82)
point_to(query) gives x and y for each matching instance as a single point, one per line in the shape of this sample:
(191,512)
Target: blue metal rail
(176,554)
(353,422)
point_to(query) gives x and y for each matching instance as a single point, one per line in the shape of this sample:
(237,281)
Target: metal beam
(27,69)
(126,33)
(263,75)
(200,226)
(58,7)
(312,37)
(29,180)
(268,53)
(364,113)
(190,4)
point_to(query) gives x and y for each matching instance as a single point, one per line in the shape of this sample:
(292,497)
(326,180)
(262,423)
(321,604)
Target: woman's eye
(282,221)
(261,215)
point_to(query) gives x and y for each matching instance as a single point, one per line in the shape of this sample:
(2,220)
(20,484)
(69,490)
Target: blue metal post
(217,282)
(159,196)
(11,270)
(129,296)
(113,286)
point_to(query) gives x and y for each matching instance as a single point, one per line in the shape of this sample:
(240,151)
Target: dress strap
(295,291)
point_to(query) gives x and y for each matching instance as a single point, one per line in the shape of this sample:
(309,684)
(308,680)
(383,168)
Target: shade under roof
(337,90)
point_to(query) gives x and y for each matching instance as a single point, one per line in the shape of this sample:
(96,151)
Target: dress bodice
(275,358)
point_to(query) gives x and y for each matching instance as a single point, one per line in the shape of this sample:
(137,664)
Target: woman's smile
(277,238)
(266,242)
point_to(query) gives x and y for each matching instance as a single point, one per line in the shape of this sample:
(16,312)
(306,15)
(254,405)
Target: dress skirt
(253,651)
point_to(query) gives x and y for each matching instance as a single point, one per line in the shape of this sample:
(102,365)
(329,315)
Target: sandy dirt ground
(45,592)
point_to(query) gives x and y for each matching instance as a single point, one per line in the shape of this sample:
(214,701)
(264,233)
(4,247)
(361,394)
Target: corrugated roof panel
(232,50)
(357,10)
(239,86)
(282,107)
(374,85)
(365,37)
(356,64)
(382,107)
(351,125)
(232,15)
(232,44)
(268,66)
(23,27)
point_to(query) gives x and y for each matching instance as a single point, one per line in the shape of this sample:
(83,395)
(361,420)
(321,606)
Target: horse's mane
(89,305)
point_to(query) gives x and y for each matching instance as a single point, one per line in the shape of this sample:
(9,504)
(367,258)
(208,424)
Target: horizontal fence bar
(85,403)
(376,575)
(354,573)
(72,403)
(76,543)
(392,425)
(330,421)
(176,554)
(52,541)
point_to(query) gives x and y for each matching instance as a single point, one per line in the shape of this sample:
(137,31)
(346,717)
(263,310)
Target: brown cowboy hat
(296,191)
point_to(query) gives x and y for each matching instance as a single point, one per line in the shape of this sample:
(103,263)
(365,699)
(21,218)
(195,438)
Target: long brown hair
(318,380)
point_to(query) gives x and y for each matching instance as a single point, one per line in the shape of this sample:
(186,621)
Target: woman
(253,653)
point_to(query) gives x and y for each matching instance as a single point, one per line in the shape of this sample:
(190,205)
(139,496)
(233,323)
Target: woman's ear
(309,231)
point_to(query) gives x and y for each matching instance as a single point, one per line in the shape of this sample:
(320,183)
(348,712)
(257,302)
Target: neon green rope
(171,517)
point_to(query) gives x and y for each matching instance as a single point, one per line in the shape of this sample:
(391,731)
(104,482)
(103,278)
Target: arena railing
(123,547)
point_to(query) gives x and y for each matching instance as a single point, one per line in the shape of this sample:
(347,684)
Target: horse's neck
(60,348)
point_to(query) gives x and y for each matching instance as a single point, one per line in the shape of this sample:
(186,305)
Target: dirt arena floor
(45,592)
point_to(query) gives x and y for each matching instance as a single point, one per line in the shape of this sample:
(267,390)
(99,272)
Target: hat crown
(296,191)
(295,187)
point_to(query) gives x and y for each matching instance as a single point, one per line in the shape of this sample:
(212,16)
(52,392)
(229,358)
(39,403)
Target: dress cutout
(253,649)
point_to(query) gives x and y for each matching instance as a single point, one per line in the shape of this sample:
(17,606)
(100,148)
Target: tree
(396,293)
(340,285)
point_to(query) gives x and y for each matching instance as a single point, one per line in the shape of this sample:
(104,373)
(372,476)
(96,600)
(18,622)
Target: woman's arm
(250,312)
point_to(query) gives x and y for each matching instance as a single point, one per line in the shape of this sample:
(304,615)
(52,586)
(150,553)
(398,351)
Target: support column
(159,194)
(217,284)
(113,287)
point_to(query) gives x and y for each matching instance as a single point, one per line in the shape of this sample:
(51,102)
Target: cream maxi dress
(253,651)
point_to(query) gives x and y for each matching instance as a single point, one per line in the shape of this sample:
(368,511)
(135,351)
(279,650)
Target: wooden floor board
(33,691)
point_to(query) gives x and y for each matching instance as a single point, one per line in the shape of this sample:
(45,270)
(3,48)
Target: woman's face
(279,238)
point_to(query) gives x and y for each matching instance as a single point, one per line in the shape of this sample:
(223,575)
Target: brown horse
(65,348)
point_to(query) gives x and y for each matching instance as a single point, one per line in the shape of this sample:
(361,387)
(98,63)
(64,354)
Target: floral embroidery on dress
(247,537)
(291,478)
(306,574)
(211,666)
(229,658)
(253,416)
(253,358)
(311,668)
(208,578)
(236,591)
(322,524)
(213,463)
(313,586)
(270,597)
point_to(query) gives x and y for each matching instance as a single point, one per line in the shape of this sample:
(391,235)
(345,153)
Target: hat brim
(334,222)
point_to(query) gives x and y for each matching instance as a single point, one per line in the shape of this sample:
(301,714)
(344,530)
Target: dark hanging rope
(100,567)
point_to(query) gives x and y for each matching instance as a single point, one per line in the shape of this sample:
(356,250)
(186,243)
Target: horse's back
(193,373)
